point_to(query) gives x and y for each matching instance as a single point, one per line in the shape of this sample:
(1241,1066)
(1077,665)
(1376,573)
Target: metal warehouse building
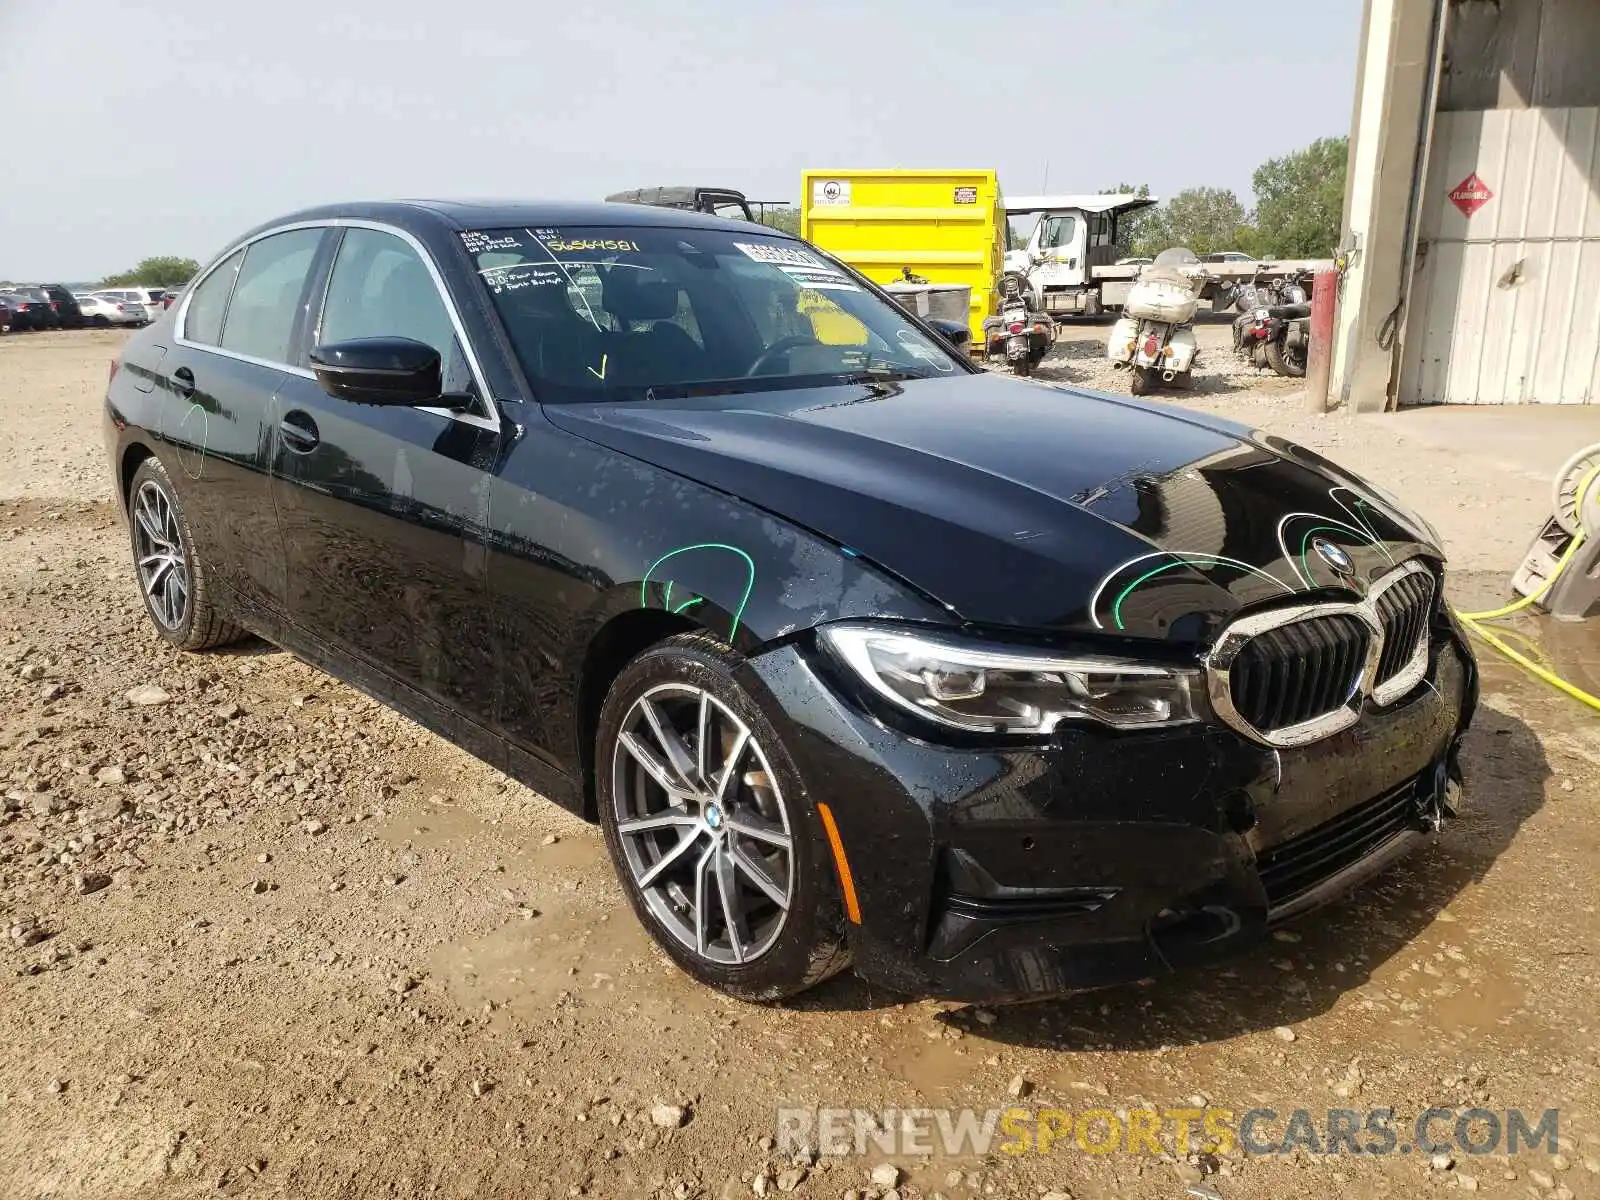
(1472,208)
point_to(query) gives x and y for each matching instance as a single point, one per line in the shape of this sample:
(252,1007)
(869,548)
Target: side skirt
(469,735)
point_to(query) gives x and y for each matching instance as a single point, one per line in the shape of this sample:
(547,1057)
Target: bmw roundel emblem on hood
(1336,557)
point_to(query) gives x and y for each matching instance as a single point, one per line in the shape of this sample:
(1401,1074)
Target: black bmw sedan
(852,650)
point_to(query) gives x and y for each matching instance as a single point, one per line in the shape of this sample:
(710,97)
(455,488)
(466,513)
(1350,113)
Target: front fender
(585,535)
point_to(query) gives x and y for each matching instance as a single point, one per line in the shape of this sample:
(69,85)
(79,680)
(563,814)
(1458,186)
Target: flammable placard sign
(1470,194)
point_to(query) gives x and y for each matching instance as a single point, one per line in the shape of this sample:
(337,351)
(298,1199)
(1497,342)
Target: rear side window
(203,322)
(266,297)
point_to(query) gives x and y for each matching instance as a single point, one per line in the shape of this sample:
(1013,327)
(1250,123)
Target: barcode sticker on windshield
(804,268)
(780,255)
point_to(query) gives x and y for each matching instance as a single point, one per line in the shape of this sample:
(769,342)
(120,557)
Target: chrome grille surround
(1364,685)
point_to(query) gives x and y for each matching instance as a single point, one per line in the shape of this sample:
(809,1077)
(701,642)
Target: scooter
(1154,339)
(1020,335)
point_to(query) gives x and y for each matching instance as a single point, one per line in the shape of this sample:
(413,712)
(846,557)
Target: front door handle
(299,431)
(183,383)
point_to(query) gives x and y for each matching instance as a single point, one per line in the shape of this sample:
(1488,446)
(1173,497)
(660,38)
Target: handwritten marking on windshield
(582,299)
(601,373)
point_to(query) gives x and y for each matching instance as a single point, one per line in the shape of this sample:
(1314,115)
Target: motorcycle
(1154,339)
(1274,328)
(1020,335)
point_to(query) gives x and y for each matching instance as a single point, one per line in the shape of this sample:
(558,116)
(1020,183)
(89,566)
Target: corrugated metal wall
(1505,303)
(1520,54)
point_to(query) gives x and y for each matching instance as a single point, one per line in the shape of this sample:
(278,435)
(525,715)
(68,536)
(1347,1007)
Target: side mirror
(382,370)
(957,333)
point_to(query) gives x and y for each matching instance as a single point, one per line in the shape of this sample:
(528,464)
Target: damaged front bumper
(992,873)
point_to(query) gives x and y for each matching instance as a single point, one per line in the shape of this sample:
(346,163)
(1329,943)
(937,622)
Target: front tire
(709,826)
(170,574)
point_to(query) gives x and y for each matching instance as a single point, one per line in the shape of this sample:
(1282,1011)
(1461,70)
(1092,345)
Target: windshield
(642,313)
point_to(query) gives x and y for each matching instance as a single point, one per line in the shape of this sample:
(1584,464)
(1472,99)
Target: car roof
(498,214)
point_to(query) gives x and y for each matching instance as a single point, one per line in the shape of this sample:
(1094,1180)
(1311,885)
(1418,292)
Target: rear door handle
(299,431)
(183,382)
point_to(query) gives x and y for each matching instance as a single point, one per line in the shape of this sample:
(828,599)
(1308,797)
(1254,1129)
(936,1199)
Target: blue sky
(168,126)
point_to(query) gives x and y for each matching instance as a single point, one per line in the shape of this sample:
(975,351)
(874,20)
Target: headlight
(966,685)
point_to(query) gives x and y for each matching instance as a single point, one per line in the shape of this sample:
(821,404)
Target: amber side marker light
(847,883)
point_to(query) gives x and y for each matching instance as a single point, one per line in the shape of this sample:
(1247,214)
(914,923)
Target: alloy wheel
(158,553)
(702,824)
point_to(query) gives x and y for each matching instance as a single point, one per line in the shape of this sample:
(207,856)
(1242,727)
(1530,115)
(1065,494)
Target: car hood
(1032,506)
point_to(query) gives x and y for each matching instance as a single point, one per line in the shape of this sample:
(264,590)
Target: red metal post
(1319,356)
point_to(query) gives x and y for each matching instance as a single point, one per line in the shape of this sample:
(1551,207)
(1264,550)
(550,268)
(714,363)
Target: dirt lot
(262,937)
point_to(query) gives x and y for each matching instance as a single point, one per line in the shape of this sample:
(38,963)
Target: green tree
(1300,200)
(162,272)
(1130,226)
(1204,219)
(786,218)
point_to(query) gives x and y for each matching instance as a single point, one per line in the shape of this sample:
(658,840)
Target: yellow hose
(1471,620)
(1495,614)
(1526,643)
(1550,677)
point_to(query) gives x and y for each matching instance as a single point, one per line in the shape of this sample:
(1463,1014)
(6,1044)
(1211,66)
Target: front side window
(380,287)
(1059,233)
(203,321)
(266,297)
(641,313)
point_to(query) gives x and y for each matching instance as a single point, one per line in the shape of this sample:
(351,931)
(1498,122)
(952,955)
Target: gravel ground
(262,937)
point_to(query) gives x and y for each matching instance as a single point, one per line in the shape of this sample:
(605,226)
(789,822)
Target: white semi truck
(1070,261)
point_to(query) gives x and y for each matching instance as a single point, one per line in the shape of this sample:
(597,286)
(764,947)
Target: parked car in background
(1134,262)
(32,305)
(170,296)
(1229,256)
(5,314)
(63,304)
(106,310)
(584,489)
(150,298)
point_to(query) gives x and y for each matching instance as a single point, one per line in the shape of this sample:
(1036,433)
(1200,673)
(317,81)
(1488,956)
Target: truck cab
(1072,242)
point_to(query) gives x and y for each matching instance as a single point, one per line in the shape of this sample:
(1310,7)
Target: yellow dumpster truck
(948,227)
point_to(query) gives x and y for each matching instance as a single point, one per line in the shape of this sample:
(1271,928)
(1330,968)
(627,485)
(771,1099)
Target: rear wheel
(1287,360)
(1141,380)
(171,576)
(709,828)
(1023,366)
